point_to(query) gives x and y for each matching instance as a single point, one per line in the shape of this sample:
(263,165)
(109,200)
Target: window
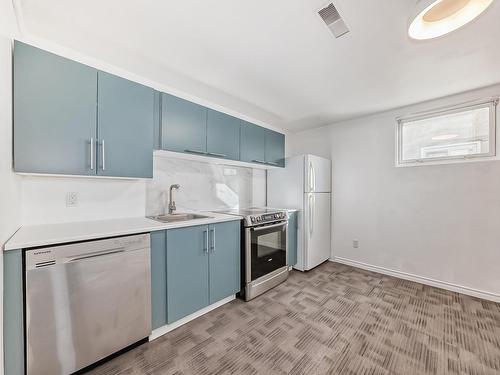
(457,133)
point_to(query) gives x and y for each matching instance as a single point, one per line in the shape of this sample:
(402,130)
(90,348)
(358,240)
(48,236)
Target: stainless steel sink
(172,218)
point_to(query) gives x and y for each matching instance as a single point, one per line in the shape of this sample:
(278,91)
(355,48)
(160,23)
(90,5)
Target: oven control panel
(266,218)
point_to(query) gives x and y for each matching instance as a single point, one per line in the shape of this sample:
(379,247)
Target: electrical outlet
(71,199)
(355,244)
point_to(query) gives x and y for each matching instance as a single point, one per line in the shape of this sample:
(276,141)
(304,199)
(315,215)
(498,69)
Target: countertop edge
(148,225)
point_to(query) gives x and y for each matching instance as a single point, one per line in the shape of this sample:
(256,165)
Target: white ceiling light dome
(434,18)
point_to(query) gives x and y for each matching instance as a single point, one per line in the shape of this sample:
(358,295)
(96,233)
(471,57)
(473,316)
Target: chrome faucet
(171,203)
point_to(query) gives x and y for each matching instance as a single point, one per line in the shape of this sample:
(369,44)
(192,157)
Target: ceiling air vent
(332,18)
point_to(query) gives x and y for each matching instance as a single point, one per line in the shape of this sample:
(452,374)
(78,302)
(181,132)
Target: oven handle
(269,226)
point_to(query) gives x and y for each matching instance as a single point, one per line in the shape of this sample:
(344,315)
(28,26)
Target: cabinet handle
(212,245)
(216,154)
(205,241)
(92,154)
(195,152)
(259,161)
(103,156)
(272,163)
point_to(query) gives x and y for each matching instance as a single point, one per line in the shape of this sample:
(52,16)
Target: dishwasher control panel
(49,256)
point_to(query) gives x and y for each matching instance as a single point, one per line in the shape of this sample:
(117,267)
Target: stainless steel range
(264,250)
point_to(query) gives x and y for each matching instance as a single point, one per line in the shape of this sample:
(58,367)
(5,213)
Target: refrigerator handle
(311,214)
(310,176)
(314,177)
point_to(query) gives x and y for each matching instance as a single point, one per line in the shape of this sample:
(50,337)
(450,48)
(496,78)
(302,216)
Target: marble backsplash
(203,186)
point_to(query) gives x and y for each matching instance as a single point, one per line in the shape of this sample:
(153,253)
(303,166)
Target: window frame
(490,103)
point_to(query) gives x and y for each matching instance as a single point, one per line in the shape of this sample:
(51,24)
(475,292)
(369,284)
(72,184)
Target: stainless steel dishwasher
(85,301)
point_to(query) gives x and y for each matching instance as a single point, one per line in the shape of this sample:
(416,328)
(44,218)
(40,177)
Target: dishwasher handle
(97,254)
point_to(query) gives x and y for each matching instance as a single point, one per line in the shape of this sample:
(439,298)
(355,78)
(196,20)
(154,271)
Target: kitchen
(154,223)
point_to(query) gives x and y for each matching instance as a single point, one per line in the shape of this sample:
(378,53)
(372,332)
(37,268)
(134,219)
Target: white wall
(439,222)
(44,199)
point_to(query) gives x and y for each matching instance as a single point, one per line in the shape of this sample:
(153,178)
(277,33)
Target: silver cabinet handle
(195,152)
(212,245)
(103,155)
(259,161)
(92,156)
(205,241)
(216,154)
(272,163)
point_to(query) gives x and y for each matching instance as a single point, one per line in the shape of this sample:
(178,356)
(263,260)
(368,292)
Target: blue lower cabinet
(292,238)
(187,271)
(13,312)
(224,260)
(202,267)
(159,278)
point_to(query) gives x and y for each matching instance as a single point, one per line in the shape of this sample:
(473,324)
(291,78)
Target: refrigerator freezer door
(317,229)
(317,174)
(285,185)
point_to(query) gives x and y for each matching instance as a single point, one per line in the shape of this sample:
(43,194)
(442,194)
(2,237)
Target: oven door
(266,249)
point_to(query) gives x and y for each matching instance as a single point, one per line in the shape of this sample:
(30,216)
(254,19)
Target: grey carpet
(332,320)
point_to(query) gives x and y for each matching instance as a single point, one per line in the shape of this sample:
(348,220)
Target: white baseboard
(421,279)
(170,327)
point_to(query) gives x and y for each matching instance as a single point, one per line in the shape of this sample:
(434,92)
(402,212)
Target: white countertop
(52,234)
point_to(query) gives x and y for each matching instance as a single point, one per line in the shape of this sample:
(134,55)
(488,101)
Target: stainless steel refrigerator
(305,184)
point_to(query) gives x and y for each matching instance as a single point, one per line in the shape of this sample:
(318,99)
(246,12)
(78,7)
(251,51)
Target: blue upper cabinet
(262,146)
(224,260)
(275,148)
(187,271)
(252,143)
(183,125)
(125,127)
(71,119)
(54,113)
(223,135)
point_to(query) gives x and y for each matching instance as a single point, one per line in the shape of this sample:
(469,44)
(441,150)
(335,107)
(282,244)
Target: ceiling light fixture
(434,18)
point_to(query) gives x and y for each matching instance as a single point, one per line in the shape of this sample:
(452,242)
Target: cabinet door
(252,143)
(224,260)
(125,127)
(54,113)
(275,148)
(223,135)
(292,238)
(187,271)
(158,278)
(13,312)
(184,125)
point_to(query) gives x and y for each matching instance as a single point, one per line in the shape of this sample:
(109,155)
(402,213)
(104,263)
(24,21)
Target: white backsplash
(203,186)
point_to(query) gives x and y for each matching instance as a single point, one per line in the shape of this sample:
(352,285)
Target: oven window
(268,251)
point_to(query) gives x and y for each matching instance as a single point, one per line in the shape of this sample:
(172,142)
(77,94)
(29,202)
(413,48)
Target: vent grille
(331,16)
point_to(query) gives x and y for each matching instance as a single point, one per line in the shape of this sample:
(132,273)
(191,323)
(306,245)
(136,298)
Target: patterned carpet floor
(334,319)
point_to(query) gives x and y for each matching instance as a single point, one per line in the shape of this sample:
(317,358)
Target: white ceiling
(275,61)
